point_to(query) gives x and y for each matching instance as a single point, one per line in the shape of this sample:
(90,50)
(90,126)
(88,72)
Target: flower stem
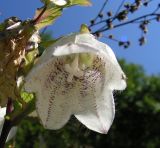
(40,15)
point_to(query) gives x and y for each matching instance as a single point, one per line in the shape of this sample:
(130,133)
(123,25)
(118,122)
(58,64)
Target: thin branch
(115,16)
(128,22)
(102,8)
(100,11)
(113,39)
(141,21)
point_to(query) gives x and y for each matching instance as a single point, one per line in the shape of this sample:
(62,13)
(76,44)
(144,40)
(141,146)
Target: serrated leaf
(49,16)
(80,2)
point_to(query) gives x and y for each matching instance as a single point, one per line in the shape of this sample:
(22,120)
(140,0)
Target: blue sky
(148,56)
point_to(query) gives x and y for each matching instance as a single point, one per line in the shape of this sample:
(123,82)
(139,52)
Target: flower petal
(98,115)
(49,84)
(86,43)
(12,133)
(96,104)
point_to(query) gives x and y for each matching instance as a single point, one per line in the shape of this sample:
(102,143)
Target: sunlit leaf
(80,2)
(51,11)
(48,17)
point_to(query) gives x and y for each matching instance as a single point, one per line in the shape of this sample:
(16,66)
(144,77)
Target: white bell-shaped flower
(76,76)
(13,130)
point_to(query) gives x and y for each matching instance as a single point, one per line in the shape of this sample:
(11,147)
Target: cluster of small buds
(98,34)
(143,26)
(158,18)
(133,7)
(122,15)
(142,40)
(124,44)
(138,2)
(112,21)
(145,4)
(100,15)
(92,22)
(109,13)
(109,23)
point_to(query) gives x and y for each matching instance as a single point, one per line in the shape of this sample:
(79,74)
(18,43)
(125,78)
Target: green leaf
(71,2)
(2,26)
(48,17)
(29,60)
(27,97)
(50,12)
(80,2)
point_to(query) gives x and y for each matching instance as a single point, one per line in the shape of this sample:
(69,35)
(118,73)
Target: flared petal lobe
(76,76)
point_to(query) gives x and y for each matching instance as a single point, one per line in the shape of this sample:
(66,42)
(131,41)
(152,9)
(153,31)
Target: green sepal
(84,29)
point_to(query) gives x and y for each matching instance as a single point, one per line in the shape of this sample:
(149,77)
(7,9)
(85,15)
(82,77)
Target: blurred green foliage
(136,124)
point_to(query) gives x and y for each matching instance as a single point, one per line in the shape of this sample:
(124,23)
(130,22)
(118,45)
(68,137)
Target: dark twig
(100,11)
(7,124)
